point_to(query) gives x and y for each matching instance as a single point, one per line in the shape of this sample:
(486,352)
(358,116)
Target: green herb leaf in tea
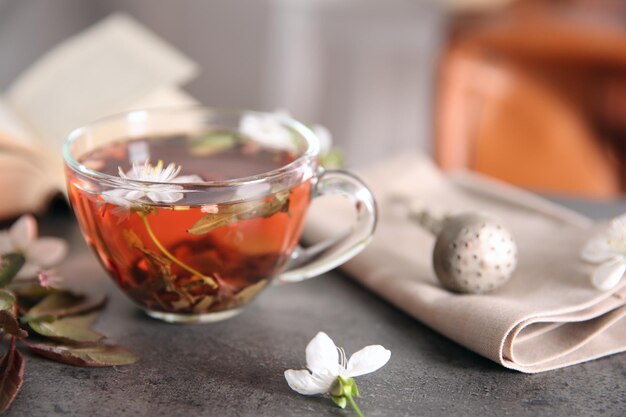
(229,214)
(93,355)
(212,143)
(10,265)
(11,376)
(69,329)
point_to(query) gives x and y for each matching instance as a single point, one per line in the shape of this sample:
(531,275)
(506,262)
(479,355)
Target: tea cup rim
(311,152)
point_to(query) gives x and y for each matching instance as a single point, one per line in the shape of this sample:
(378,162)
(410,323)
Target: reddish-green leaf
(11,376)
(9,323)
(10,265)
(69,329)
(7,299)
(62,304)
(29,290)
(92,355)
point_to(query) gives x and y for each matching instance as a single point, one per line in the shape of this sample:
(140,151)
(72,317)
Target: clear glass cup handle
(315,260)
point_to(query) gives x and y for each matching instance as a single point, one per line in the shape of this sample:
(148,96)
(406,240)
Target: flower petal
(117,197)
(134,195)
(23,232)
(29,270)
(253,191)
(324,137)
(5,243)
(164,196)
(267,129)
(47,252)
(187,178)
(617,228)
(303,382)
(608,275)
(597,250)
(367,360)
(322,355)
(50,279)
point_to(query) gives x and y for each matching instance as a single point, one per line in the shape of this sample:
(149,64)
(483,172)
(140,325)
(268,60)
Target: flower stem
(354,406)
(208,280)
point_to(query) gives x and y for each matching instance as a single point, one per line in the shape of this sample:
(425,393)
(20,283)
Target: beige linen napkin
(548,316)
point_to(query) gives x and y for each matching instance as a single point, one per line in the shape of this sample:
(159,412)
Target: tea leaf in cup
(12,367)
(63,303)
(91,355)
(69,329)
(213,143)
(10,265)
(203,305)
(246,295)
(229,214)
(132,240)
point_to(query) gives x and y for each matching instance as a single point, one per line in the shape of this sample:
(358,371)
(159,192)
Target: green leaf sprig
(51,322)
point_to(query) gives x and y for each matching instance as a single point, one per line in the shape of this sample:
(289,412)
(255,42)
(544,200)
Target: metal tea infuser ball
(473,252)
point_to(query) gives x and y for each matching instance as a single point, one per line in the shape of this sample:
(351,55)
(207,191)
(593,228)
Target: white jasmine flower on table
(132,193)
(39,253)
(609,251)
(328,370)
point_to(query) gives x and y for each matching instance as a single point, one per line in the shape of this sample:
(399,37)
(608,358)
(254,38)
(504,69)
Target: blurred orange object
(535,95)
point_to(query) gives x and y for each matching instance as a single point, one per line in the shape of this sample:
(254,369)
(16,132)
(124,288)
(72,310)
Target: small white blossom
(325,363)
(210,208)
(609,251)
(39,253)
(50,279)
(324,137)
(166,191)
(268,129)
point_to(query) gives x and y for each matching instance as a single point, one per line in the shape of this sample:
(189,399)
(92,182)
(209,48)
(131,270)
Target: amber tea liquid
(233,249)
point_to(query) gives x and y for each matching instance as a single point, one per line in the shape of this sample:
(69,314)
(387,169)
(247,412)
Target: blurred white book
(113,66)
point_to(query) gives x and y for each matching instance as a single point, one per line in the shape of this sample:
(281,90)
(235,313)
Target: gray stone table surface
(235,367)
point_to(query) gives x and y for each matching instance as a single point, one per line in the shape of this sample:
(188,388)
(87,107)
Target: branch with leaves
(38,314)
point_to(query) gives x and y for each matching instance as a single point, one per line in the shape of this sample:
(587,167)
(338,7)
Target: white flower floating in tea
(34,309)
(165,191)
(608,250)
(324,137)
(328,371)
(268,130)
(191,291)
(21,241)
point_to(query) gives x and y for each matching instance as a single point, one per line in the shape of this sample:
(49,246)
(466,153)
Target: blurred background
(531,92)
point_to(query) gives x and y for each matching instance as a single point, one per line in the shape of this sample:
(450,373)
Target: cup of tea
(193,212)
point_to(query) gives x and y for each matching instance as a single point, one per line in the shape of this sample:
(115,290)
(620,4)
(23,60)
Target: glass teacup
(193,212)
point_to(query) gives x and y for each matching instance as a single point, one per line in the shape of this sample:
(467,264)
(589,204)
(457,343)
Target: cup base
(193,318)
